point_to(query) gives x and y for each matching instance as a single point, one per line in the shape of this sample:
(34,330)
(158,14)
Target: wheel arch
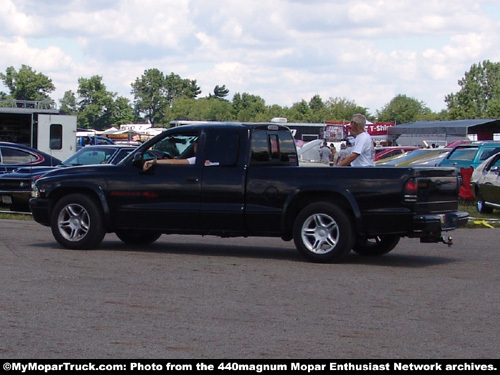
(300,199)
(93,191)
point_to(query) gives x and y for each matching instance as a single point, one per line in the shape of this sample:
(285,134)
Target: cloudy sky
(281,50)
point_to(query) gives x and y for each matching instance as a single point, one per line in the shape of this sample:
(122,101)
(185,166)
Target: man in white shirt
(363,153)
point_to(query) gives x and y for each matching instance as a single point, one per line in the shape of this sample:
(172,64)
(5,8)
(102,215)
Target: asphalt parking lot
(206,297)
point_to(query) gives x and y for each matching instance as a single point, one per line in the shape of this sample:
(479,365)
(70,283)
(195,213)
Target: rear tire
(135,237)
(376,246)
(323,233)
(77,222)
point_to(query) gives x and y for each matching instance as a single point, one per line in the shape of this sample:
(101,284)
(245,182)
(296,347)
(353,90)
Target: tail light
(410,191)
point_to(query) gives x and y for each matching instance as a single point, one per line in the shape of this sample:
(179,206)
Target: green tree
(148,91)
(27,84)
(316,103)
(479,95)
(95,103)
(220,92)
(68,103)
(121,112)
(176,87)
(340,109)
(403,109)
(248,107)
(299,112)
(276,110)
(154,93)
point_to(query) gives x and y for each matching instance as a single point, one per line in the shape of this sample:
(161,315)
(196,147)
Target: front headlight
(35,193)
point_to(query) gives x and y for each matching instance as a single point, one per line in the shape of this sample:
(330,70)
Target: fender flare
(68,187)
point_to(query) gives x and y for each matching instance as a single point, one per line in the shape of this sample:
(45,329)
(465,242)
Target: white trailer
(38,124)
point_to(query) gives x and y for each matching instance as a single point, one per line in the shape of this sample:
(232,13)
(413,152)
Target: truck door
(56,135)
(166,197)
(223,181)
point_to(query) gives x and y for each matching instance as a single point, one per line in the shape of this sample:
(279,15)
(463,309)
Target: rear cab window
(272,147)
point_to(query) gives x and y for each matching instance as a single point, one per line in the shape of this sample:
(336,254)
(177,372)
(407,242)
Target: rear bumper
(40,210)
(440,222)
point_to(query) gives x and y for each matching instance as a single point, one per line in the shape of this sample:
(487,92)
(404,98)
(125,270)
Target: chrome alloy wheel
(320,233)
(73,222)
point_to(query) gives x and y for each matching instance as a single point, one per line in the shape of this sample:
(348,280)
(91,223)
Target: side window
(494,163)
(176,146)
(56,137)
(13,156)
(487,152)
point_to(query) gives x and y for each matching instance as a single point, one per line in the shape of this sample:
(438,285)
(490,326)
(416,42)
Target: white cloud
(14,21)
(281,50)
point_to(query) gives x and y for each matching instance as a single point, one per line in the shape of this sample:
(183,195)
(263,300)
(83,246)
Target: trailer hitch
(447,241)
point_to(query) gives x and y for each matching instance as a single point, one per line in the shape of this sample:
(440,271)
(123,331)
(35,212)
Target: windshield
(86,157)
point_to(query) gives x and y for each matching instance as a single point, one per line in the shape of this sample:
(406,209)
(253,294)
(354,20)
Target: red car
(385,152)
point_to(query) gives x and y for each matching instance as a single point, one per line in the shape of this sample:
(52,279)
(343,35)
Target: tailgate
(437,190)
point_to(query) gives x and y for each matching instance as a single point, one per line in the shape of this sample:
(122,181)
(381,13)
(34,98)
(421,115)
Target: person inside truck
(363,152)
(188,161)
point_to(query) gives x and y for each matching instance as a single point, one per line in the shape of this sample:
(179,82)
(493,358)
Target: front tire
(376,246)
(77,222)
(323,233)
(481,206)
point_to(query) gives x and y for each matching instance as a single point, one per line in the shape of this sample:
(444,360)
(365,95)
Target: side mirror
(137,161)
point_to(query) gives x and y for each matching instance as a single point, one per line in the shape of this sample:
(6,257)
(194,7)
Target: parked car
(13,156)
(15,186)
(470,155)
(387,152)
(88,140)
(408,157)
(309,152)
(430,161)
(485,184)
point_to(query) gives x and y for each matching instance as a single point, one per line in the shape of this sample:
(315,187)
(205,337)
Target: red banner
(376,128)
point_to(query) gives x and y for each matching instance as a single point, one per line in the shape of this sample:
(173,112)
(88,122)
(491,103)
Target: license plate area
(6,199)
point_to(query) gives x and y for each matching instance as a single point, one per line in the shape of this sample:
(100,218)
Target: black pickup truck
(246,181)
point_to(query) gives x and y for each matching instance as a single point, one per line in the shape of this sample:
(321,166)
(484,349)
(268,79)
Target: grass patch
(477,220)
(15,216)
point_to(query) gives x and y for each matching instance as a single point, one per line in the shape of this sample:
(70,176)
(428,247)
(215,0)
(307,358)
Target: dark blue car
(13,156)
(15,186)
